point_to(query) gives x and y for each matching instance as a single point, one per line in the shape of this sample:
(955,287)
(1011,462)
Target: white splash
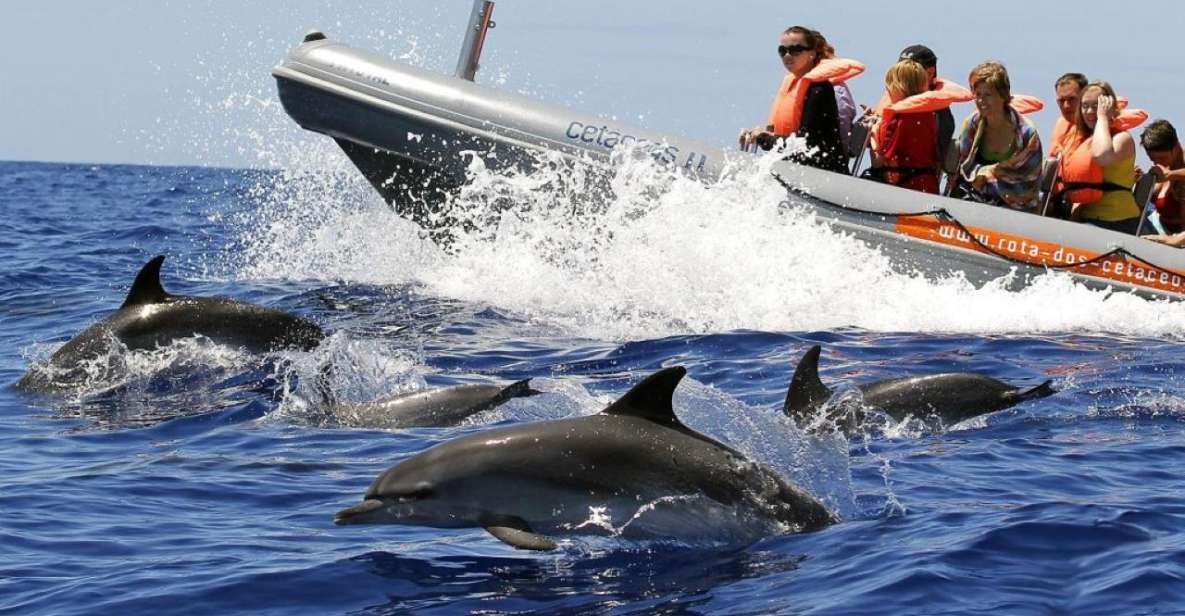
(666,255)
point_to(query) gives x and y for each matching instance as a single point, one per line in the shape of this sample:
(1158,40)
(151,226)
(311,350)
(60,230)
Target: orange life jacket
(1062,140)
(1025,104)
(1065,138)
(786,114)
(933,100)
(1080,176)
(942,95)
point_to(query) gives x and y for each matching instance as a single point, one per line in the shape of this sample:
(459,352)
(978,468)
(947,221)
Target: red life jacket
(907,136)
(786,114)
(908,145)
(1168,206)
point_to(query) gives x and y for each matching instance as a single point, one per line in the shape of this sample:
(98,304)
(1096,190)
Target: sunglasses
(792,50)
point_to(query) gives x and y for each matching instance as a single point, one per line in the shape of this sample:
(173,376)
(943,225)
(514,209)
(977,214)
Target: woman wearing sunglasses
(805,104)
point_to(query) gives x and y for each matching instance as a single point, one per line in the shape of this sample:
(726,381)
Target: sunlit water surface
(201,479)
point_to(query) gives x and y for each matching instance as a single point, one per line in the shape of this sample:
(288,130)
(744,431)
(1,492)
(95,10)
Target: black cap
(921,54)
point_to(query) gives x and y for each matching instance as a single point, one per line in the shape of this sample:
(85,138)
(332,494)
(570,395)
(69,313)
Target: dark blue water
(201,482)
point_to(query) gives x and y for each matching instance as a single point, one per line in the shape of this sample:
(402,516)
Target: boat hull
(412,134)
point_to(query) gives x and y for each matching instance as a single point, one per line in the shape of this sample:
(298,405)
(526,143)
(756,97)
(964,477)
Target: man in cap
(946,120)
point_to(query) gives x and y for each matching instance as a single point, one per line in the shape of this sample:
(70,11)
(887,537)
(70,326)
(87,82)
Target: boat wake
(665,255)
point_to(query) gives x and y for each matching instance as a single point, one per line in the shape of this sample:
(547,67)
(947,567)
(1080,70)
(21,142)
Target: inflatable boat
(410,132)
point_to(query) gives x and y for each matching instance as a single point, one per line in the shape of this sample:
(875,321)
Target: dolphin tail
(146,289)
(1033,393)
(807,392)
(518,389)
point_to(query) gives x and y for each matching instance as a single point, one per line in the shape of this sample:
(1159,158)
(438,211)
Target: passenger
(999,150)
(905,141)
(805,104)
(1069,97)
(844,101)
(1168,165)
(1098,174)
(946,120)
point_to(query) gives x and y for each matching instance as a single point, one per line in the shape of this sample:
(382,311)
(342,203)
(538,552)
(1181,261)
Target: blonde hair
(1080,123)
(907,78)
(995,76)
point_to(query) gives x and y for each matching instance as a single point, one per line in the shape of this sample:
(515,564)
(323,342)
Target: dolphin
(448,406)
(525,483)
(150,317)
(937,399)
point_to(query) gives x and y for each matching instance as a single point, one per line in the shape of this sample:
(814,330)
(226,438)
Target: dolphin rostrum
(528,482)
(946,398)
(448,406)
(151,317)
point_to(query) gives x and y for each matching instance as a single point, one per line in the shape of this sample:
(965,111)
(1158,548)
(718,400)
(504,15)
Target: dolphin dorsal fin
(651,399)
(807,392)
(146,289)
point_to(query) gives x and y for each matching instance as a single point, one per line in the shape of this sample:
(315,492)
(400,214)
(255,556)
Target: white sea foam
(666,255)
(118,366)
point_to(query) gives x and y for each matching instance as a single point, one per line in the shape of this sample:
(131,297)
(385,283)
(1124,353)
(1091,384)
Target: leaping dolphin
(150,317)
(947,398)
(443,407)
(528,482)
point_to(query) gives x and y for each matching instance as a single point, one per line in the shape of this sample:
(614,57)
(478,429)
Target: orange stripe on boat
(1037,252)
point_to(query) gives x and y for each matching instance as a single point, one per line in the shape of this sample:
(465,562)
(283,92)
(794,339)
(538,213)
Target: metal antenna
(480,20)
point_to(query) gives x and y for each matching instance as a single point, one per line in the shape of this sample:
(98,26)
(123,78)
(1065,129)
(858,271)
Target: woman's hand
(746,136)
(757,136)
(751,136)
(982,177)
(1176,241)
(1106,105)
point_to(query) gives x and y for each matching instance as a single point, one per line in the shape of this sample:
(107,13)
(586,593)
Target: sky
(188,82)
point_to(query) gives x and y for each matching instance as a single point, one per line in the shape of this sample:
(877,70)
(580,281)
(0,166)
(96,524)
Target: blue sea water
(202,480)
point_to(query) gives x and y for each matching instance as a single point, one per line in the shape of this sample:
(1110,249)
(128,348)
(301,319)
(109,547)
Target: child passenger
(905,142)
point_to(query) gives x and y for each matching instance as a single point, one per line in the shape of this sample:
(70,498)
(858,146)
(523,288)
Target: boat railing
(859,142)
(950,165)
(1142,191)
(1049,171)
